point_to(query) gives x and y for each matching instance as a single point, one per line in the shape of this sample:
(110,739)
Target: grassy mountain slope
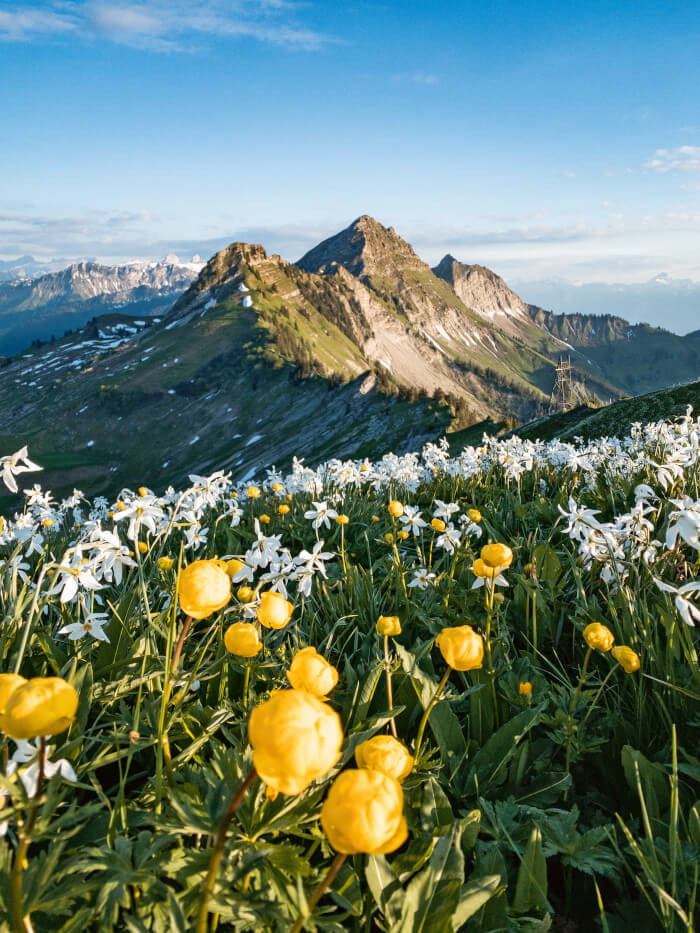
(637,357)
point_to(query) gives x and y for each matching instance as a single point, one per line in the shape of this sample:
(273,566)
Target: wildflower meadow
(429,693)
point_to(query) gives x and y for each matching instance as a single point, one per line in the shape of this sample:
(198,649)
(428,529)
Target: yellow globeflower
(395,508)
(143,547)
(497,555)
(598,636)
(363,813)
(386,754)
(274,610)
(278,487)
(265,519)
(296,739)
(480,569)
(525,688)
(233,566)
(474,515)
(253,492)
(165,563)
(283,509)
(438,524)
(402,535)
(143,491)
(40,707)
(311,672)
(461,647)
(389,625)
(204,588)
(626,658)
(243,639)
(245,594)
(8,684)
(343,519)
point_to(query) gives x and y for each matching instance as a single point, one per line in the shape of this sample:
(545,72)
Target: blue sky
(543,139)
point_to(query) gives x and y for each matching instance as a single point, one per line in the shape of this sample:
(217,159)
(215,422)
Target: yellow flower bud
(283,509)
(165,563)
(245,594)
(311,672)
(598,636)
(525,688)
(204,588)
(40,707)
(253,492)
(233,566)
(243,639)
(143,491)
(497,555)
(342,520)
(389,625)
(8,684)
(437,524)
(375,518)
(461,647)
(278,487)
(47,522)
(274,610)
(363,813)
(402,535)
(626,658)
(386,754)
(296,739)
(528,568)
(474,515)
(395,508)
(389,538)
(264,519)
(143,547)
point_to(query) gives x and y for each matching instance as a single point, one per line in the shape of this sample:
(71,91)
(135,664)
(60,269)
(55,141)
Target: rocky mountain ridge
(357,348)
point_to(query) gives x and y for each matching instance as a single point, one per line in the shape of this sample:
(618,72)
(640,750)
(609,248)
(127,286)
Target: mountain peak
(364,248)
(479,288)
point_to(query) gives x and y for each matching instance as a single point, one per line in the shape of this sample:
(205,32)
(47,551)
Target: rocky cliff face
(480,289)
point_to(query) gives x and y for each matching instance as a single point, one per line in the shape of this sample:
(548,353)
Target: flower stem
(20,923)
(246,684)
(218,850)
(389,691)
(572,712)
(428,711)
(180,642)
(336,865)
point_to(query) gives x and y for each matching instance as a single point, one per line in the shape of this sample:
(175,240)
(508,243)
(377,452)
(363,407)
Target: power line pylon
(563,390)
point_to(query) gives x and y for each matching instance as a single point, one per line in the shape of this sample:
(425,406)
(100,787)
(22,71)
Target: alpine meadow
(349,568)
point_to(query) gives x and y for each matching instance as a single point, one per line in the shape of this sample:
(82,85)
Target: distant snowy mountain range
(39,307)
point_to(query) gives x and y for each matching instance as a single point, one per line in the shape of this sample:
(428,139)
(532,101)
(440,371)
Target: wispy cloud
(680,159)
(161,25)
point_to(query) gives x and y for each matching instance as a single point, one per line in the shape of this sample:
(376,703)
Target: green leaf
(444,724)
(472,897)
(531,886)
(489,765)
(432,896)
(652,777)
(385,888)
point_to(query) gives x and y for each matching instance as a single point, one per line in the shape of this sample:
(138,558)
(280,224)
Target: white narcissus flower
(15,464)
(321,515)
(412,519)
(92,624)
(688,611)
(29,776)
(421,578)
